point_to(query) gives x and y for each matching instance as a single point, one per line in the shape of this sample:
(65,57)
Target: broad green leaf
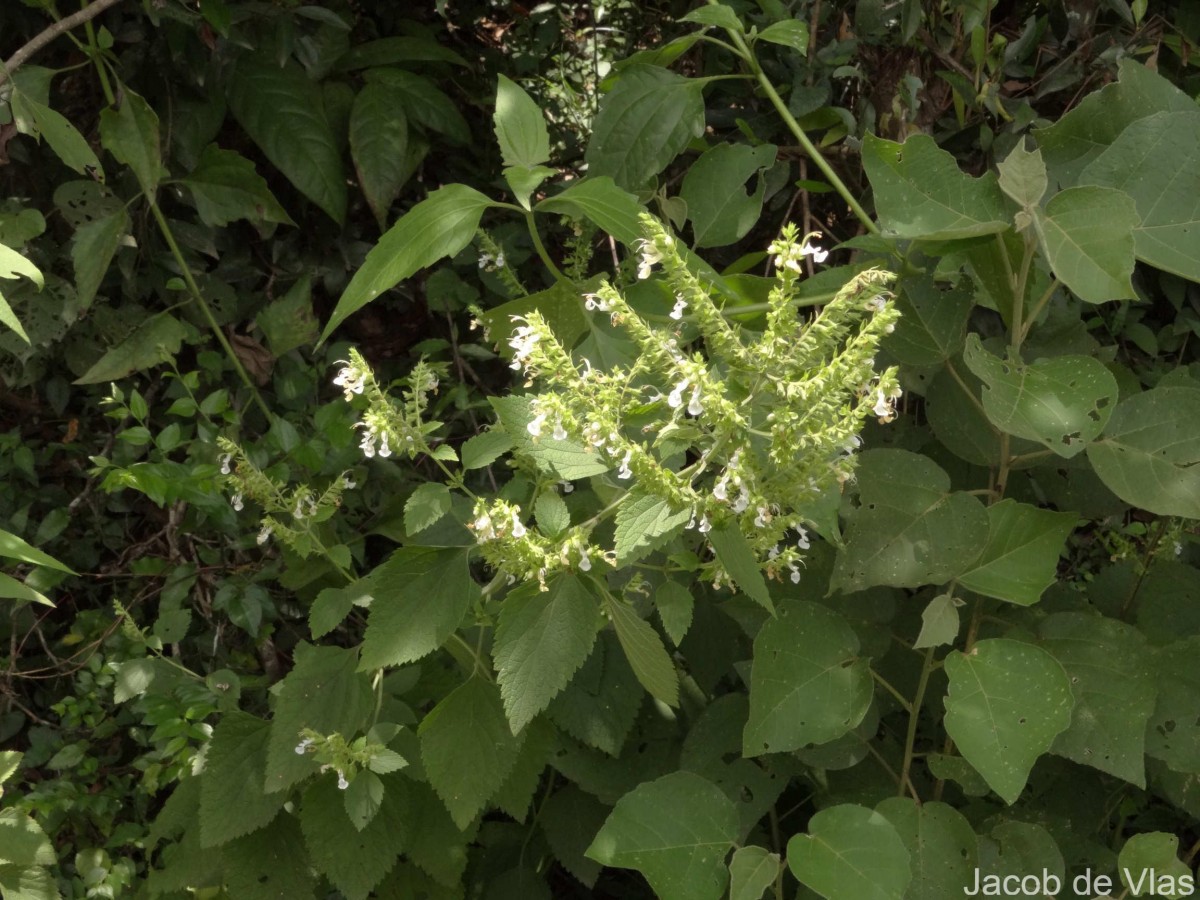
(720,16)
(751,871)
(1156,161)
(939,622)
(561,305)
(1020,559)
(957,769)
(232,800)
(439,226)
(553,517)
(644,122)
(599,200)
(524,180)
(522,785)
(225,187)
(421,595)
(13,264)
(22,840)
(570,821)
(942,846)
(40,121)
(808,684)
(920,192)
(468,749)
(378,142)
(676,831)
(1007,702)
(1150,867)
(602,701)
(282,111)
(675,607)
(1023,176)
(645,523)
(645,651)
(13,547)
(485,448)
(933,322)
(520,126)
(1087,234)
(789,33)
(355,860)
(714,189)
(1014,848)
(130,133)
(153,342)
(1062,403)
(92,251)
(1173,733)
(437,845)
(428,503)
(735,556)
(332,605)
(1114,687)
(289,322)
(262,865)
(1081,135)
(28,883)
(1149,451)
(397,51)
(324,692)
(424,103)
(542,639)
(363,799)
(908,530)
(851,853)
(566,459)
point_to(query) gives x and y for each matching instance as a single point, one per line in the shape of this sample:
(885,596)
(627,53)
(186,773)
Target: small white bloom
(680,306)
(883,406)
(302,747)
(773,552)
(518,528)
(566,486)
(721,488)
(225,461)
(743,501)
(485,259)
(705,526)
(815,252)
(348,484)
(523,340)
(694,405)
(367,444)
(483,528)
(585,564)
(625,471)
(298,512)
(760,520)
(650,258)
(876,303)
(384,450)
(803,543)
(264,535)
(596,302)
(342,782)
(1178,548)
(535,426)
(351,380)
(500,260)
(675,398)
(795,573)
(236,502)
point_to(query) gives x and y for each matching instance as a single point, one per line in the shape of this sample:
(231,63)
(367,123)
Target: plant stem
(914,714)
(194,290)
(1037,309)
(794,127)
(94,52)
(60,27)
(541,248)
(887,686)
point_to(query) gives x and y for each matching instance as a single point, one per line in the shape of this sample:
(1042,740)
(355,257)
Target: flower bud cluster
(522,552)
(386,427)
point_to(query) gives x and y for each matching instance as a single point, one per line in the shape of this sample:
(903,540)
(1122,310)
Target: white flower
(483,528)
(876,303)
(694,405)
(348,484)
(264,535)
(523,340)
(566,486)
(342,782)
(594,301)
(743,501)
(225,461)
(1178,548)
(585,564)
(760,520)
(803,543)
(680,306)
(675,398)
(302,747)
(721,488)
(298,512)
(236,502)
(351,380)
(535,426)
(625,471)
(485,259)
(883,406)
(795,573)
(500,260)
(560,433)
(814,251)
(705,526)
(773,552)
(650,258)
(518,528)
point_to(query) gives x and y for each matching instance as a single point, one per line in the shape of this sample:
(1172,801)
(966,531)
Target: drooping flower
(518,527)
(649,259)
(226,459)
(705,526)
(680,306)
(302,747)
(384,450)
(625,471)
(675,398)
(559,433)
(695,407)
(237,502)
(342,782)
(351,380)
(596,302)
(535,425)
(484,530)
(264,534)
(818,255)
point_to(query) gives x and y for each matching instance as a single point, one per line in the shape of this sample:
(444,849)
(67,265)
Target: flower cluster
(521,551)
(385,427)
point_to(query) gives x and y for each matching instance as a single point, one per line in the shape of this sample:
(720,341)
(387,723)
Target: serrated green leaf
(1020,559)
(332,606)
(485,448)
(714,189)
(354,860)
(1007,702)
(516,795)
(676,831)
(789,33)
(438,846)
(1150,867)
(22,840)
(735,556)
(600,201)
(378,144)
(644,523)
(289,322)
(921,193)
(939,623)
(908,530)
(675,607)
(153,342)
(552,515)
(645,651)
(644,122)
(282,111)
(933,322)
(1023,176)
(363,798)
(1148,452)
(566,459)
(1109,665)
(468,749)
(524,180)
(600,704)
(39,120)
(439,226)
(1062,403)
(1156,161)
(428,503)
(751,871)
(942,846)
(28,883)
(225,187)
(520,126)
(851,853)
(261,865)
(232,800)
(1087,234)
(92,251)
(421,595)
(542,639)
(424,103)
(324,692)
(130,133)
(808,684)
(570,821)
(10,761)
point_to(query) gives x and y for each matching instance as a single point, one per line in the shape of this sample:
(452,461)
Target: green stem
(1037,309)
(541,248)
(887,686)
(194,290)
(914,714)
(784,113)
(753,309)
(94,52)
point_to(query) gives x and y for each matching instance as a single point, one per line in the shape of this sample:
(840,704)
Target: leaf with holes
(933,322)
(714,189)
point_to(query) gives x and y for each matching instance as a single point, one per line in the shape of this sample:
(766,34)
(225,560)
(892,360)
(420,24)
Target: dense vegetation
(599,450)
